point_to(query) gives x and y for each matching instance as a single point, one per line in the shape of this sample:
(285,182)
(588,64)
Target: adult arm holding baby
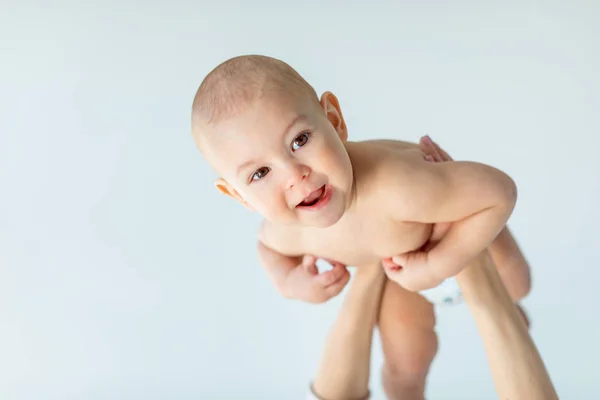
(517,368)
(516,365)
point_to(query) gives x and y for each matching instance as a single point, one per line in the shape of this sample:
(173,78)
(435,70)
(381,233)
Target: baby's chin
(328,220)
(318,221)
(325,220)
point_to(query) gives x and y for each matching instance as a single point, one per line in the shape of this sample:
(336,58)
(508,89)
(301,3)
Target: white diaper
(447,293)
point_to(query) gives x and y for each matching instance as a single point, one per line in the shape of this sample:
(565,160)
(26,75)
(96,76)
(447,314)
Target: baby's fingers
(328,278)
(309,263)
(335,289)
(399,260)
(394,272)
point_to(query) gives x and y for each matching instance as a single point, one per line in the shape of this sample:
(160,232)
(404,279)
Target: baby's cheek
(333,164)
(275,207)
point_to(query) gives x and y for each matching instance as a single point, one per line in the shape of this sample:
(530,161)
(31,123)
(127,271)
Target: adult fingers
(445,156)
(433,150)
(429,150)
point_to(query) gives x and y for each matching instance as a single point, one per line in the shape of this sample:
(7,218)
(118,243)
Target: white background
(125,275)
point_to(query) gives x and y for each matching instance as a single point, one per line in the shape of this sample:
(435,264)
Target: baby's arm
(476,199)
(504,250)
(298,277)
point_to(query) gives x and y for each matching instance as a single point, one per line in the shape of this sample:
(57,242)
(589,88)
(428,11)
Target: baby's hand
(306,283)
(412,271)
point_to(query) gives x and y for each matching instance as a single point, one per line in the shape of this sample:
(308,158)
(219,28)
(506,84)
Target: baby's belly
(371,244)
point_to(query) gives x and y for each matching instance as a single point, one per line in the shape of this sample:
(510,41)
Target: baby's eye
(260,173)
(300,140)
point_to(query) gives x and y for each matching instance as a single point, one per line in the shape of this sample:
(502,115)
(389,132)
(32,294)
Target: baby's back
(366,233)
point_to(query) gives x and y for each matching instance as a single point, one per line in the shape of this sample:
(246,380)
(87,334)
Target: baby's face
(284,158)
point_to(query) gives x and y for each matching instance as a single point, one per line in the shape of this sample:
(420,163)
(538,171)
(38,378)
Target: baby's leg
(406,327)
(512,265)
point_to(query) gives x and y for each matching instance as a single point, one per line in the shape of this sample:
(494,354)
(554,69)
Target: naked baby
(283,152)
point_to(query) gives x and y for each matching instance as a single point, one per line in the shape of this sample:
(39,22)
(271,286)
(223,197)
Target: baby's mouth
(313,198)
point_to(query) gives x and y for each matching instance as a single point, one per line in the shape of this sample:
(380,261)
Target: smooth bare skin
(279,148)
(517,368)
(387,211)
(276,151)
(344,369)
(299,277)
(406,320)
(407,315)
(504,250)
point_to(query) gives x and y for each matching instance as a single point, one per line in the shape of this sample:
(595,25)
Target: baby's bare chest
(356,243)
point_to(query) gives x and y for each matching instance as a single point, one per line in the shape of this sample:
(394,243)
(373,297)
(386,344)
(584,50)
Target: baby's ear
(332,109)
(224,187)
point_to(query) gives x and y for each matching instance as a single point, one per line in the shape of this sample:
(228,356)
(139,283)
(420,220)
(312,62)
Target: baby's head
(278,149)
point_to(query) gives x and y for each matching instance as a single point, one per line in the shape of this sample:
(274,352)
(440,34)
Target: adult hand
(433,152)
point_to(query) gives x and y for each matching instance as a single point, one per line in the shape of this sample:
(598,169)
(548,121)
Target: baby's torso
(366,235)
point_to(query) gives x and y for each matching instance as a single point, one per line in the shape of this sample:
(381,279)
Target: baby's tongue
(312,197)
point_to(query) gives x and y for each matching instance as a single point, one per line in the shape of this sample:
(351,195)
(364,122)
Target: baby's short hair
(240,80)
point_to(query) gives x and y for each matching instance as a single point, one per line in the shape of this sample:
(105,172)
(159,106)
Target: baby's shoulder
(372,155)
(390,177)
(390,144)
(376,162)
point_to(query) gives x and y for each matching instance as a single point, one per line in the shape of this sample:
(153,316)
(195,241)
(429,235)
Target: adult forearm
(344,369)
(516,365)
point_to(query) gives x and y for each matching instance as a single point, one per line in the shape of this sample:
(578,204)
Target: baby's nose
(297,174)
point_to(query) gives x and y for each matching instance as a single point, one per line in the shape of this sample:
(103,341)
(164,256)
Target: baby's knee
(403,382)
(404,373)
(412,361)
(519,290)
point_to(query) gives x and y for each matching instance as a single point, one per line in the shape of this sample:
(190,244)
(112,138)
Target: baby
(284,153)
